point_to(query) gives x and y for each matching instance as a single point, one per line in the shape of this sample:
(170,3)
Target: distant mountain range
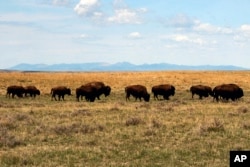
(121,66)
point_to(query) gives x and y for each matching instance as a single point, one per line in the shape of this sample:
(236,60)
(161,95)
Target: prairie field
(114,132)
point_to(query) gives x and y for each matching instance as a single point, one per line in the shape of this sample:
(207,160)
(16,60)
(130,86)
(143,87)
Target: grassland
(112,132)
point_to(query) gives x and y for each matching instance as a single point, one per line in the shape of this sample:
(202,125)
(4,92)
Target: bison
(61,91)
(100,87)
(138,91)
(165,90)
(15,90)
(88,91)
(228,91)
(201,91)
(32,91)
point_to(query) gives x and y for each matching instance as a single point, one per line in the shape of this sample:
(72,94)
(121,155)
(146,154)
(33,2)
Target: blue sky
(187,32)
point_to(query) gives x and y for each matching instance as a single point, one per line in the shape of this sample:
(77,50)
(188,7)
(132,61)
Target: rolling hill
(121,66)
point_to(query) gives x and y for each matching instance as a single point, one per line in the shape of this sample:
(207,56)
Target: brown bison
(165,90)
(100,88)
(32,91)
(88,91)
(138,91)
(201,91)
(228,91)
(61,91)
(15,90)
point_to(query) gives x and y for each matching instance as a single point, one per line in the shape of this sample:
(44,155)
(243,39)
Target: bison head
(37,92)
(68,91)
(107,90)
(146,97)
(172,90)
(240,93)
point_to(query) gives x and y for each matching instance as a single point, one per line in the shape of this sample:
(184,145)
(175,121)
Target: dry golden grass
(182,80)
(112,132)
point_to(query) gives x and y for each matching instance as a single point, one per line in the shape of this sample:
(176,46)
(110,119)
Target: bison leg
(127,96)
(155,96)
(53,97)
(166,97)
(8,94)
(87,98)
(217,98)
(139,98)
(19,95)
(77,97)
(92,98)
(56,98)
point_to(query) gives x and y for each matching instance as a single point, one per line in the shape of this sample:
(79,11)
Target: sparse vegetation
(114,132)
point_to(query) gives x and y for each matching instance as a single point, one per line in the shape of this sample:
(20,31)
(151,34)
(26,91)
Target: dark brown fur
(138,91)
(165,90)
(61,91)
(228,91)
(100,88)
(201,91)
(88,91)
(32,91)
(15,90)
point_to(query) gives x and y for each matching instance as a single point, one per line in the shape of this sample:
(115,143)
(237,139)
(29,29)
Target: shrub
(215,126)
(133,121)
(7,140)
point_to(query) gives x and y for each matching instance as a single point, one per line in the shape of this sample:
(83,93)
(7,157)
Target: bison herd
(224,91)
(94,90)
(20,91)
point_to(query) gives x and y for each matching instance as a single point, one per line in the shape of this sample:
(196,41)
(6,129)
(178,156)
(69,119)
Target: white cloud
(245,29)
(206,27)
(60,2)
(142,10)
(242,34)
(119,4)
(179,38)
(125,16)
(186,39)
(180,21)
(183,22)
(98,14)
(83,36)
(86,7)
(122,13)
(135,35)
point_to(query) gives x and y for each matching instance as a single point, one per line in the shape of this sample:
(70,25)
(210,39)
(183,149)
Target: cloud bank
(121,13)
